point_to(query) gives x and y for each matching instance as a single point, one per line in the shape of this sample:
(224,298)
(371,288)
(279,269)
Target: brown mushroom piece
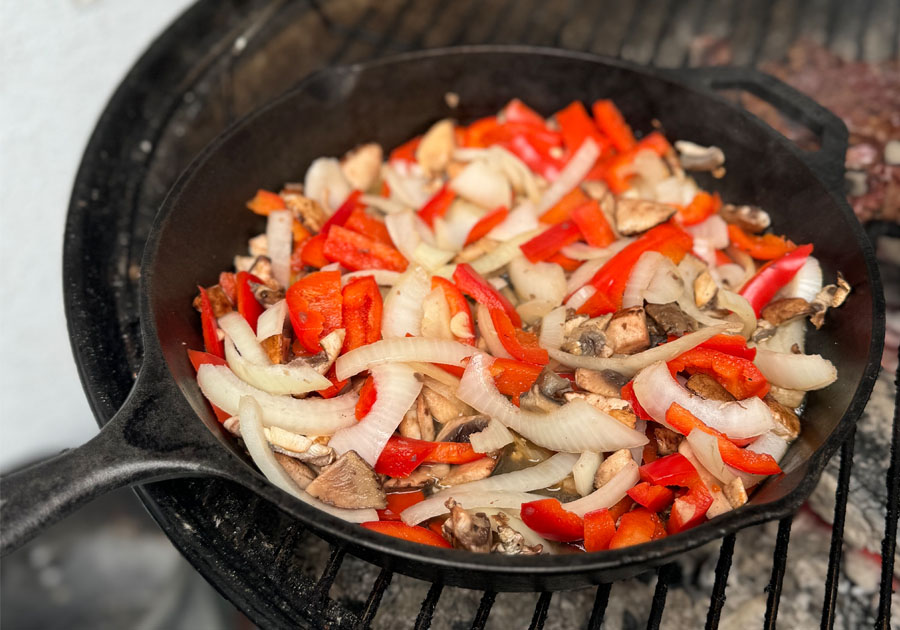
(634,216)
(587,337)
(417,423)
(307,211)
(735,492)
(705,289)
(442,408)
(481,468)
(421,477)
(604,382)
(349,483)
(547,393)
(467,531)
(219,302)
(331,348)
(510,542)
(277,347)
(749,218)
(787,423)
(627,331)
(695,157)
(300,473)
(611,466)
(670,319)
(611,405)
(707,387)
(667,441)
(779,311)
(461,428)
(362,165)
(831,296)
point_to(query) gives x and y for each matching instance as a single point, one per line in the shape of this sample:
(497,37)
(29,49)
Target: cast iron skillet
(165,429)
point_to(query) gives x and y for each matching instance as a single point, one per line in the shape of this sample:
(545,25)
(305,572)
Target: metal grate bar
(638,10)
(723,567)
(484,610)
(381,583)
(320,591)
(895,38)
(439,9)
(779,560)
(573,9)
(388,35)
(865,14)
(426,612)
(353,33)
(831,24)
(889,542)
(666,574)
(761,34)
(540,611)
(668,24)
(284,558)
(832,576)
(601,599)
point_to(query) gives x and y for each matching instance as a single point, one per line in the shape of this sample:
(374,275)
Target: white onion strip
(542,475)
(738,305)
(631,365)
(571,175)
(489,333)
(584,471)
(503,253)
(279,243)
(582,295)
(382,277)
(656,390)
(313,416)
(255,439)
(293,378)
(573,428)
(403,306)
(434,505)
(397,389)
(706,448)
(424,349)
(236,327)
(553,328)
(804,372)
(609,493)
(271,322)
(493,437)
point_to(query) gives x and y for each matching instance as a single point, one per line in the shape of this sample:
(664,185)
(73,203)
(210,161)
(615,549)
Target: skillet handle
(137,445)
(827,162)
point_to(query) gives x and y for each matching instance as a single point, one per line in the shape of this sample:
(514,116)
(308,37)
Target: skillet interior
(203,224)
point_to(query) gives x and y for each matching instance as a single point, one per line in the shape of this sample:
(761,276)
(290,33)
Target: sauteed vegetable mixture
(520,336)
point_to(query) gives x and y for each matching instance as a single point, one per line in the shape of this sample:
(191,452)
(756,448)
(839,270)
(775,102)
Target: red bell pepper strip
(760,289)
(765,247)
(247,304)
(651,496)
(593,225)
(689,509)
(671,470)
(735,345)
(406,152)
(312,252)
(299,233)
(636,527)
(361,308)
(550,520)
(322,292)
(550,241)
(477,288)
(228,282)
(564,207)
(599,528)
(197,359)
(475,133)
(702,206)
(343,212)
(307,325)
(357,251)
(337,385)
(211,340)
(264,202)
(402,455)
(576,125)
(438,205)
(684,422)
(520,344)
(362,222)
(513,377)
(656,142)
(487,223)
(367,397)
(622,507)
(397,502)
(611,122)
(519,112)
(739,376)
(569,264)
(618,171)
(457,303)
(629,396)
(452,453)
(535,153)
(403,531)
(610,280)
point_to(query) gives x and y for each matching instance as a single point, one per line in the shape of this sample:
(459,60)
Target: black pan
(165,429)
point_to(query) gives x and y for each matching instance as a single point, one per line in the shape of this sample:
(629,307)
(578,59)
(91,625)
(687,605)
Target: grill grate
(282,41)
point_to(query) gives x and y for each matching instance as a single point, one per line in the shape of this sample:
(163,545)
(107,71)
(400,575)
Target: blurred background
(111,566)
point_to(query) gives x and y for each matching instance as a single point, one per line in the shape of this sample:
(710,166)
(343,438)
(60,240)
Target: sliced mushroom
(442,408)
(277,347)
(611,466)
(606,404)
(634,216)
(588,337)
(422,476)
(258,246)
(362,165)
(779,311)
(535,401)
(510,542)
(751,219)
(670,319)
(459,429)
(831,296)
(417,423)
(309,212)
(707,387)
(705,289)
(694,157)
(791,398)
(764,330)
(436,146)
(605,382)
(331,348)
(349,483)
(627,331)
(787,423)
(667,441)
(552,385)
(625,416)
(467,531)
(471,471)
(735,492)
(219,302)
(301,474)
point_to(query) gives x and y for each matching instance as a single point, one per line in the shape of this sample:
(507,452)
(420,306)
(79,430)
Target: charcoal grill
(221,59)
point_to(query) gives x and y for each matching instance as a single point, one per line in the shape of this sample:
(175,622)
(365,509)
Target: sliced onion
(520,220)
(310,416)
(637,453)
(482,185)
(439,375)
(325,183)
(408,189)
(581,276)
(397,389)
(553,328)
(713,231)
(293,378)
(738,305)
(538,281)
(493,437)
(792,398)
(652,268)
(806,284)
(271,322)
(676,190)
(402,230)
(452,230)
(382,277)
(632,364)
(730,276)
(650,167)
(434,505)
(385,205)
(575,427)
(609,493)
(786,336)
(436,316)
(720,503)
(254,438)
(584,471)
(238,330)
(534,311)
(583,251)
(656,389)
(402,312)
(489,333)
(766,444)
(502,254)
(431,257)
(706,448)
(402,349)
(582,295)
(804,372)
(543,475)
(571,175)
(279,238)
